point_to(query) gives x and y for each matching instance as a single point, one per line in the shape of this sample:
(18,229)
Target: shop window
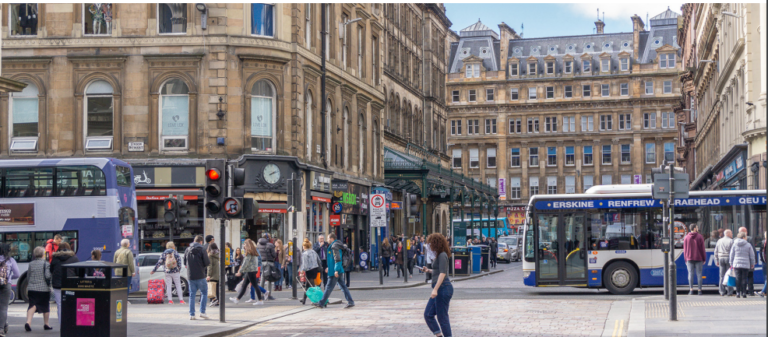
(172,18)
(97,19)
(23,19)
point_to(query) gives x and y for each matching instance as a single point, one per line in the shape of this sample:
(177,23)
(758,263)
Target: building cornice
(562,105)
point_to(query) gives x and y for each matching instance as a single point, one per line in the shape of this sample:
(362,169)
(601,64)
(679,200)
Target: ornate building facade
(562,114)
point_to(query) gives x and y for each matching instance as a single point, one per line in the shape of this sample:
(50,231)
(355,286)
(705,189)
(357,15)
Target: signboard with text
(378,210)
(17,214)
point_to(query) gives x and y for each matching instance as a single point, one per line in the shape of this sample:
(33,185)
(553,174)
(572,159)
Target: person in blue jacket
(335,272)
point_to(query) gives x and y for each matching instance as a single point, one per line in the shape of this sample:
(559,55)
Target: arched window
(361,141)
(309,121)
(174,115)
(23,119)
(345,139)
(99,116)
(262,116)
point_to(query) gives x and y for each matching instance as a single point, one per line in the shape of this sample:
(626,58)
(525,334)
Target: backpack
(170,261)
(271,274)
(346,258)
(3,273)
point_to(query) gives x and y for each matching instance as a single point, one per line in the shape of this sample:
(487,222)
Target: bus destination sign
(634,203)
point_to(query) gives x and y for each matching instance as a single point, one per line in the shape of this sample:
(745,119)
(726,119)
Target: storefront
(731,173)
(515,219)
(153,185)
(350,204)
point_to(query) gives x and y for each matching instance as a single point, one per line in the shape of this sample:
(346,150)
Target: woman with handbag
(249,269)
(310,267)
(213,274)
(386,255)
(38,288)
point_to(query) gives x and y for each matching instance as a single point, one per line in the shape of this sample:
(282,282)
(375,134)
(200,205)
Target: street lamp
(731,14)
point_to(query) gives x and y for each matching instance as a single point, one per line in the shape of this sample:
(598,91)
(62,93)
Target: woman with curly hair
(442,290)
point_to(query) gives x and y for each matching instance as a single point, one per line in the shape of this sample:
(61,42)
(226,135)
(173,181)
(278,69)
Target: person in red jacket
(52,246)
(695,255)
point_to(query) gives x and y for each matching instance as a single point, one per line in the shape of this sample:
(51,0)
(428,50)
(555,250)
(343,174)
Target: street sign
(378,210)
(661,185)
(232,207)
(396,205)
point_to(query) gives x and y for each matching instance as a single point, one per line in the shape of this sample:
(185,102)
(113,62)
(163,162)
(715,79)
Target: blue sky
(554,19)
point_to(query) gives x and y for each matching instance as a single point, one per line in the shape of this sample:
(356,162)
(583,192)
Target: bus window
(28,182)
(21,246)
(80,181)
(127,217)
(70,237)
(123,176)
(624,229)
(529,250)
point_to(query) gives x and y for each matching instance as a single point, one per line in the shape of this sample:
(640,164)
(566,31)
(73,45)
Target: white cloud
(624,11)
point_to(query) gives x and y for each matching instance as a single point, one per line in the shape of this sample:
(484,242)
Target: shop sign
(353,200)
(348,198)
(17,214)
(396,205)
(339,185)
(337,208)
(335,220)
(320,181)
(168,176)
(502,189)
(272,210)
(321,199)
(135,146)
(515,216)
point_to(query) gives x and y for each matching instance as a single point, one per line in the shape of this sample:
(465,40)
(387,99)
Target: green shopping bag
(315,294)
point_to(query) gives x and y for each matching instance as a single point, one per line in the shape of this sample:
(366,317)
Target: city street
(493,305)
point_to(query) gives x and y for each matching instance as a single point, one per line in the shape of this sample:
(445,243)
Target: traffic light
(171,207)
(413,203)
(182,212)
(215,187)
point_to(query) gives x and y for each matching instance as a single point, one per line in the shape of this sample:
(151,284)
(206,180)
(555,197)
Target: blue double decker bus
(89,202)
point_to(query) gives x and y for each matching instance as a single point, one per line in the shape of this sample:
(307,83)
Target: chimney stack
(637,27)
(599,25)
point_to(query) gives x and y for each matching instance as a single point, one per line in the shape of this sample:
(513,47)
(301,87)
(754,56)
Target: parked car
(147,262)
(513,247)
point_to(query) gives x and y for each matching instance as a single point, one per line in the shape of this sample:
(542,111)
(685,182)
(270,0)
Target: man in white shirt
(429,256)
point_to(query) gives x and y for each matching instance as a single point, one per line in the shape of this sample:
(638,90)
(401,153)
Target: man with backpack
(196,260)
(266,250)
(348,261)
(335,272)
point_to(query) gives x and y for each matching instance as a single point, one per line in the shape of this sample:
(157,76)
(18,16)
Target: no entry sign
(378,210)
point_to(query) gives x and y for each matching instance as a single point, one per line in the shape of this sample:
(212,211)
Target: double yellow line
(618,328)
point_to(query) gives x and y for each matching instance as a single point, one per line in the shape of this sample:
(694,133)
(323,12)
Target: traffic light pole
(666,254)
(404,241)
(673,263)
(222,277)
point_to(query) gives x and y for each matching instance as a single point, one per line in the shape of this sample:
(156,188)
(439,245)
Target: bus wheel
(620,278)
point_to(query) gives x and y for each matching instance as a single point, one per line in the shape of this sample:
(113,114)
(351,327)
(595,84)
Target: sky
(554,19)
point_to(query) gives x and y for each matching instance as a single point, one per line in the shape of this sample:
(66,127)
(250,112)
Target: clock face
(271,173)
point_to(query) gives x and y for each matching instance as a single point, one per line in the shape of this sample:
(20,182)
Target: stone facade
(527,110)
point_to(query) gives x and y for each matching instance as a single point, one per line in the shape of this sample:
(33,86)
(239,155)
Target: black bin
(485,252)
(94,300)
(461,261)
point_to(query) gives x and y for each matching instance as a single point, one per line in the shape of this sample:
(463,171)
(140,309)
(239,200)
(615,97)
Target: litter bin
(461,261)
(94,299)
(485,251)
(477,259)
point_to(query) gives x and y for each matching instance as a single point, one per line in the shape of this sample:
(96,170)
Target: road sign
(232,207)
(661,186)
(378,210)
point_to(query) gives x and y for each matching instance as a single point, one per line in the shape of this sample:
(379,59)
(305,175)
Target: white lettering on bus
(573,204)
(750,200)
(630,203)
(697,202)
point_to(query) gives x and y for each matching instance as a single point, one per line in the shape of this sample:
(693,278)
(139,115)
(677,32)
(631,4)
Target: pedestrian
(742,259)
(430,257)
(386,255)
(228,258)
(268,255)
(310,266)
(38,285)
(419,254)
(249,270)
(11,270)
(399,258)
(196,260)
(762,258)
(321,248)
(52,246)
(124,255)
(238,260)
(63,256)
(494,246)
(711,241)
(208,240)
(442,290)
(288,266)
(751,272)
(335,272)
(411,257)
(695,255)
(348,267)
(722,260)
(212,276)
(280,263)
(170,260)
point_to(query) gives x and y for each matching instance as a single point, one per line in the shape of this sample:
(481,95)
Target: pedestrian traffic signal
(215,185)
(171,207)
(182,212)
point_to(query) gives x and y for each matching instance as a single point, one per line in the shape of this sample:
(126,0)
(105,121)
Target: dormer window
(586,66)
(568,67)
(532,68)
(513,69)
(550,68)
(473,70)
(667,61)
(624,63)
(605,65)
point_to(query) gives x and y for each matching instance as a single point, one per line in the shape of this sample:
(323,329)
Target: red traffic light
(213,174)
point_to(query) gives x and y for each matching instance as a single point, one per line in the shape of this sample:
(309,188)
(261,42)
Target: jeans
(194,286)
(253,291)
(57,298)
(438,306)
(751,281)
(329,289)
(697,267)
(724,266)
(385,265)
(171,279)
(279,268)
(420,261)
(324,274)
(250,278)
(741,280)
(289,271)
(129,284)
(765,286)
(5,297)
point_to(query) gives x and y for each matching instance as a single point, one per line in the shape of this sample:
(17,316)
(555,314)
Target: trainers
(203,316)
(258,303)
(690,292)
(182,302)
(266,294)
(349,305)
(170,302)
(191,318)
(250,300)
(700,293)
(234,300)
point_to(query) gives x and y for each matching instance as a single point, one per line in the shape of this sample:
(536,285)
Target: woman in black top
(386,256)
(442,290)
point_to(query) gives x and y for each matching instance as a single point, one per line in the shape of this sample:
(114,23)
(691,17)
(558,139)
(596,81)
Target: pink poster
(86,311)
(457,264)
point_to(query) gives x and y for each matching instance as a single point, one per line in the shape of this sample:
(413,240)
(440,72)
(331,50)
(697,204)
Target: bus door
(561,257)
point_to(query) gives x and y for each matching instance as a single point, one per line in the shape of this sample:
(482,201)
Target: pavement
(369,280)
